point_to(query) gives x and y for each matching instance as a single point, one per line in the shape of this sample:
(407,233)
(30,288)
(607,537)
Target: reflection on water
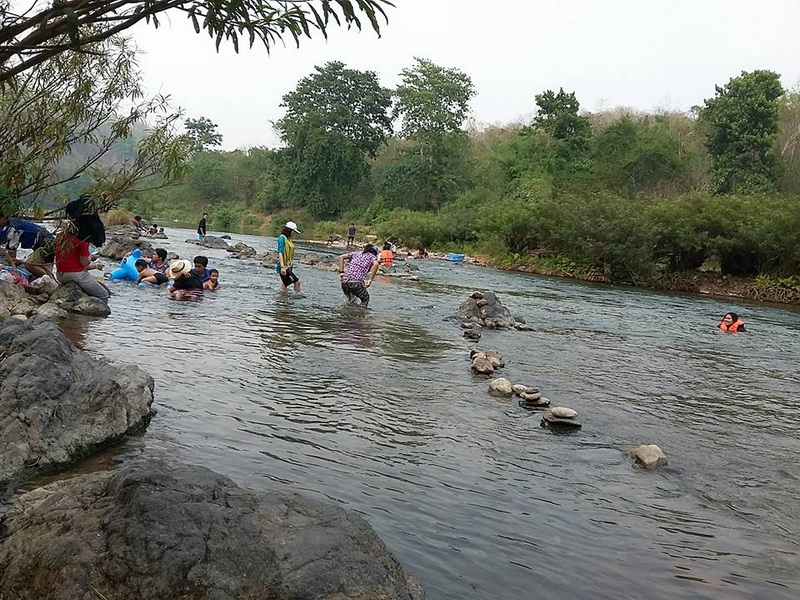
(377,410)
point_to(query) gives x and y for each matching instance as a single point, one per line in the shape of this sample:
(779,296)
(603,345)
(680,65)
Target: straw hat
(179,267)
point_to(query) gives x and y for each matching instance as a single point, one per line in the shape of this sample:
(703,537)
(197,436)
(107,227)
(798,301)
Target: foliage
(335,118)
(46,30)
(94,102)
(743,125)
(201,134)
(118,216)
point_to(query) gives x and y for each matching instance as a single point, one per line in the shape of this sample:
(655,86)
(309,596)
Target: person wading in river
(731,323)
(360,264)
(285,256)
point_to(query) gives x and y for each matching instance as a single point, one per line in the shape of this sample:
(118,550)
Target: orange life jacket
(385,257)
(732,328)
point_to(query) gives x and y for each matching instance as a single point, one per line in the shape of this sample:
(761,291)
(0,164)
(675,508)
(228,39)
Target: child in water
(148,274)
(213,281)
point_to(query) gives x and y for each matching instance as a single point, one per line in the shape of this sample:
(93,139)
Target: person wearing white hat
(285,256)
(186,285)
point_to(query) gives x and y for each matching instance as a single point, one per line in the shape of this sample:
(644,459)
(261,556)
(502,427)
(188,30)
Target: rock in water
(520,389)
(472,334)
(482,366)
(485,309)
(121,239)
(154,531)
(563,412)
(58,404)
(533,401)
(72,298)
(495,358)
(500,387)
(649,456)
(555,422)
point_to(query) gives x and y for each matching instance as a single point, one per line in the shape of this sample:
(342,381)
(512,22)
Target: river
(378,412)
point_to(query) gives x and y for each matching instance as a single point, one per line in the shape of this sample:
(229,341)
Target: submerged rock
(155,531)
(485,309)
(472,334)
(58,404)
(649,456)
(500,387)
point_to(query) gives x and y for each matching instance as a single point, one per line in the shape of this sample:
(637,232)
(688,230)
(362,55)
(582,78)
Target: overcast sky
(641,53)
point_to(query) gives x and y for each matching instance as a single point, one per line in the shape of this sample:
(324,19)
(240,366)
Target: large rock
(649,456)
(72,298)
(210,241)
(326,262)
(485,309)
(154,531)
(58,404)
(500,387)
(241,250)
(123,239)
(14,300)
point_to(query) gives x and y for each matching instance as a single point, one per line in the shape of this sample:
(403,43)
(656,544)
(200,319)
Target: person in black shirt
(201,227)
(186,285)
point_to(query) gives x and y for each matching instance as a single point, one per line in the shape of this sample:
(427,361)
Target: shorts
(289,278)
(45,254)
(356,289)
(160,278)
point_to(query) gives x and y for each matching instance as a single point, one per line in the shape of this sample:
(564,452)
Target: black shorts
(356,289)
(289,278)
(160,278)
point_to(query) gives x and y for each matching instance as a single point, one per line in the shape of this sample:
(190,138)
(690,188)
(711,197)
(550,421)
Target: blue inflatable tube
(452,257)
(127,268)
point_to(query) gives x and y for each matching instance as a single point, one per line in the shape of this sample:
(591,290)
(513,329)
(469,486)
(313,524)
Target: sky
(643,54)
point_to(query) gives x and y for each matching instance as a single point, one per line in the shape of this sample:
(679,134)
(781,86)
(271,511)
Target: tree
(432,100)
(48,29)
(742,119)
(432,103)
(202,134)
(91,101)
(558,114)
(335,118)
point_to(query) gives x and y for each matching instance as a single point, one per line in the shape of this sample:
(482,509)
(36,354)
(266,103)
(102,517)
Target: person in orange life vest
(386,257)
(731,323)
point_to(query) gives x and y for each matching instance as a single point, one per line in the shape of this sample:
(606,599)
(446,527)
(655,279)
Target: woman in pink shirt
(360,264)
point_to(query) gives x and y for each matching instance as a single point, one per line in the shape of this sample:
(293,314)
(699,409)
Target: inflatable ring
(127,268)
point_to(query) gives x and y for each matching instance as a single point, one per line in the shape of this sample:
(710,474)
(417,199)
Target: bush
(118,216)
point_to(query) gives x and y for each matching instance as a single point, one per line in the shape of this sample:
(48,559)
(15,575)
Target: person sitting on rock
(19,233)
(159,260)
(153,229)
(73,263)
(201,268)
(148,274)
(731,323)
(360,264)
(186,285)
(213,281)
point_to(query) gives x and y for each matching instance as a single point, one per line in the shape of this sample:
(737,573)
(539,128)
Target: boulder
(50,312)
(72,298)
(555,422)
(562,412)
(123,239)
(14,300)
(485,309)
(157,531)
(241,250)
(648,456)
(327,262)
(225,237)
(495,358)
(500,387)
(482,366)
(210,241)
(58,404)
(267,259)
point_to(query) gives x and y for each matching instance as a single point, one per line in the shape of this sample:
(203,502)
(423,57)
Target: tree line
(629,194)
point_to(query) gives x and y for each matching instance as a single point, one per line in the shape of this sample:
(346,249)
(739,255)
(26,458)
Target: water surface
(378,412)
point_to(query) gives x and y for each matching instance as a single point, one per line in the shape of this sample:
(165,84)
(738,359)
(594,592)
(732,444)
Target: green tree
(202,134)
(44,30)
(432,103)
(432,100)
(335,119)
(91,102)
(743,126)
(558,115)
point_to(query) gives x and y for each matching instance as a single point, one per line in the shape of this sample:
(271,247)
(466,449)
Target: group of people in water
(189,279)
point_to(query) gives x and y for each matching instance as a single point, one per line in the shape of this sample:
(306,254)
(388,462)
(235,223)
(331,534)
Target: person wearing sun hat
(186,285)
(285,256)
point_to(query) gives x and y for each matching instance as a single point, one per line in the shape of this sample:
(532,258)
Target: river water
(378,412)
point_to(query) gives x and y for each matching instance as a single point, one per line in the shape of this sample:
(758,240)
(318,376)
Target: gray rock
(50,312)
(649,456)
(58,404)
(14,300)
(487,310)
(326,262)
(241,250)
(210,241)
(122,239)
(155,531)
(500,387)
(520,389)
(472,334)
(533,401)
(495,358)
(172,256)
(482,366)
(554,422)
(562,412)
(225,237)
(72,298)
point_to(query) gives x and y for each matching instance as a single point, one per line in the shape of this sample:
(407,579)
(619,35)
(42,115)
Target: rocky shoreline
(151,528)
